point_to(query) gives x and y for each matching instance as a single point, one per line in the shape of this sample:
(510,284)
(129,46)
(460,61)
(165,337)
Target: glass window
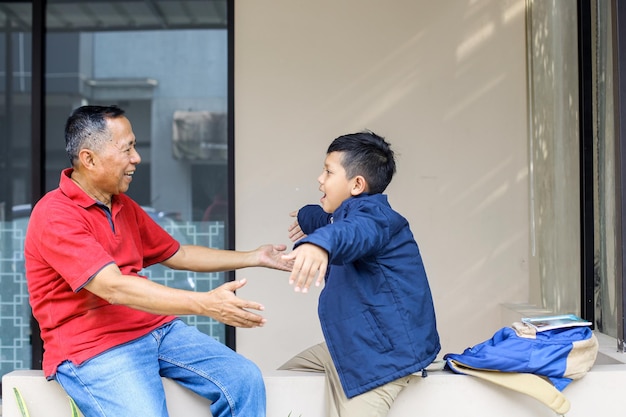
(166,63)
(554,155)
(167,66)
(604,152)
(15,179)
(555,160)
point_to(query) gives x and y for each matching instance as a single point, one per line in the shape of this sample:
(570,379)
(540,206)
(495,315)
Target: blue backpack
(537,363)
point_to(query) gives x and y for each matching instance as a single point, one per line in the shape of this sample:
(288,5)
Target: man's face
(334,183)
(116,162)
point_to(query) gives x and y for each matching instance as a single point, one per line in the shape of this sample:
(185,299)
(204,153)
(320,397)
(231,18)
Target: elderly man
(110,334)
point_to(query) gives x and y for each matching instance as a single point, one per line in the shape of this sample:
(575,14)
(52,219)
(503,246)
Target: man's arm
(203,259)
(220,303)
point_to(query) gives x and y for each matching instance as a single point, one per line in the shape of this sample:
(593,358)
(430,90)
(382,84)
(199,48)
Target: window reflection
(554,157)
(158,60)
(554,160)
(605,247)
(166,64)
(15,90)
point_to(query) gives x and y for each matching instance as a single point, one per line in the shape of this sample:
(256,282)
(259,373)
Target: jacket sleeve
(358,235)
(312,217)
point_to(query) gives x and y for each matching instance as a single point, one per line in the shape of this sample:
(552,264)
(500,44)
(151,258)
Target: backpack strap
(526,383)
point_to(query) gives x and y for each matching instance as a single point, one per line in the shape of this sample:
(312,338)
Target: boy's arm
(312,217)
(363,234)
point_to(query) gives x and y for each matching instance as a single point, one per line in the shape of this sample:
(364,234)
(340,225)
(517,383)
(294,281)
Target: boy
(376,308)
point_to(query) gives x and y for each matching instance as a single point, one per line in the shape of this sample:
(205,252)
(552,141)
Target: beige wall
(445,83)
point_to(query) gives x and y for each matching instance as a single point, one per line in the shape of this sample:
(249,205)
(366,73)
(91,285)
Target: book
(544,323)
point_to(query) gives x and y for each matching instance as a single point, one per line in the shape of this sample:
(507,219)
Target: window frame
(618,12)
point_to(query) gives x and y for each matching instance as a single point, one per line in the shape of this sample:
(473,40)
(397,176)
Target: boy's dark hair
(87,128)
(367,154)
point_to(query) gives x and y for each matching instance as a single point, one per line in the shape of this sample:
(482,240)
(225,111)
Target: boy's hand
(295,232)
(309,260)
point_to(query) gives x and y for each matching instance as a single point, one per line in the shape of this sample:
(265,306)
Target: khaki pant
(373,403)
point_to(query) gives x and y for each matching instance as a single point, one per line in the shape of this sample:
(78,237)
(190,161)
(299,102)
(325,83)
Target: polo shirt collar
(73,191)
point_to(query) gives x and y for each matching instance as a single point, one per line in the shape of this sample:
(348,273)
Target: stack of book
(555,322)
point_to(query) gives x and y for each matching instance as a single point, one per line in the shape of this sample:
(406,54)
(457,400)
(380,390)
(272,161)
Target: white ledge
(303,394)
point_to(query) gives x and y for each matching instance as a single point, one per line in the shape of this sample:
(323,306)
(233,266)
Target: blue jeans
(126,380)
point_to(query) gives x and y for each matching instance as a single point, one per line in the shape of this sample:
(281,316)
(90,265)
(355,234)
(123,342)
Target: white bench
(302,394)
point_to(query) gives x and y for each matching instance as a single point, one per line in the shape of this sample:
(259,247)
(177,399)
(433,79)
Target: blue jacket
(376,308)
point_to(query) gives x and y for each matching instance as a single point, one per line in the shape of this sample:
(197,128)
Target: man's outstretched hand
(224,306)
(271,256)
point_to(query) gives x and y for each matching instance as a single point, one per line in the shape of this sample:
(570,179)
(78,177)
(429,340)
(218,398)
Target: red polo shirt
(69,239)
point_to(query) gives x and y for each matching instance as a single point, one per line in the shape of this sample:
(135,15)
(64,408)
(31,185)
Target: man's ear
(359,185)
(86,158)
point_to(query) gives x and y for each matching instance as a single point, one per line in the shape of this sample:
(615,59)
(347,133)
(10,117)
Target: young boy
(376,308)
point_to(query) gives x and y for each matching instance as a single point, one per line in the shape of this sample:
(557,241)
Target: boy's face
(334,183)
